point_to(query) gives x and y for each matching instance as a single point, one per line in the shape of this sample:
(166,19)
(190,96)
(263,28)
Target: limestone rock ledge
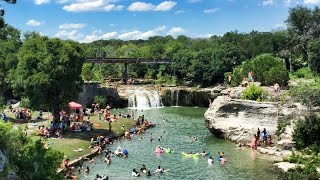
(237,120)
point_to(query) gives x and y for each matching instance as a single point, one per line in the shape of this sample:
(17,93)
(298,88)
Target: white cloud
(205,36)
(211,11)
(142,6)
(280,26)
(39,2)
(165,6)
(72,26)
(98,34)
(92,5)
(287,2)
(33,23)
(311,1)
(179,12)
(135,35)
(175,31)
(267,3)
(73,35)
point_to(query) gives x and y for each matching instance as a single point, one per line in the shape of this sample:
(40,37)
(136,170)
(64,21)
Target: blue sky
(89,20)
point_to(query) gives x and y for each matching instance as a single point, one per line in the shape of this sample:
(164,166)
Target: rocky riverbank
(237,120)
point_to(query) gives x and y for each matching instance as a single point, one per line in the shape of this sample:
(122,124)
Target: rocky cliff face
(237,120)
(185,96)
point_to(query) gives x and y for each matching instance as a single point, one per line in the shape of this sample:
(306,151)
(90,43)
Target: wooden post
(126,72)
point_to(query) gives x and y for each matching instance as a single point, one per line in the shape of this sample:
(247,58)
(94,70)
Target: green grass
(73,140)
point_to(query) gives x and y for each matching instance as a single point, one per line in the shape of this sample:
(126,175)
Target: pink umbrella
(74,105)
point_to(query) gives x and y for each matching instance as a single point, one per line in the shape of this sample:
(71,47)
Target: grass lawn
(73,140)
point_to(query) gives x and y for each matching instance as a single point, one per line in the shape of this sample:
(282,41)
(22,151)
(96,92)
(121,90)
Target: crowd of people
(265,137)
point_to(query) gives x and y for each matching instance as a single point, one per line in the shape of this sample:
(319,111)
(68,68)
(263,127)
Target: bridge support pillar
(126,72)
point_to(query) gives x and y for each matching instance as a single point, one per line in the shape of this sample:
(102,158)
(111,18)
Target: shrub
(283,122)
(304,73)
(266,69)
(307,93)
(253,92)
(277,74)
(100,100)
(306,133)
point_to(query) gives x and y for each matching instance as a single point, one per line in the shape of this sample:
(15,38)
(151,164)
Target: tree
(306,133)
(9,44)
(314,55)
(48,72)
(2,12)
(304,22)
(28,159)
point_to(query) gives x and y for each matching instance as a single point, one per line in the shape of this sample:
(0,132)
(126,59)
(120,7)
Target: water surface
(176,125)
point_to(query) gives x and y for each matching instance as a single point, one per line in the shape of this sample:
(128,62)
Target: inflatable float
(158,150)
(168,150)
(196,155)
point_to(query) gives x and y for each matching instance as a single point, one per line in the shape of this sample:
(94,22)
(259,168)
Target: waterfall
(172,98)
(141,98)
(177,97)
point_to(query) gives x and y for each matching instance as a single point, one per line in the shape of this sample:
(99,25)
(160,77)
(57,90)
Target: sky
(90,20)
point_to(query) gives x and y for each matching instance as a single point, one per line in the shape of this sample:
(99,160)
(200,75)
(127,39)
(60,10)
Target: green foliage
(100,100)
(303,73)
(310,161)
(306,133)
(314,55)
(48,68)
(307,93)
(9,45)
(283,122)
(253,92)
(266,69)
(87,73)
(25,102)
(30,160)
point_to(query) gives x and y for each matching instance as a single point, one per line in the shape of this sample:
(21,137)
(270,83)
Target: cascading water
(177,97)
(141,98)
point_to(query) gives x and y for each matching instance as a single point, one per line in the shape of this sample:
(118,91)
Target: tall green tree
(48,72)
(314,55)
(9,45)
(303,23)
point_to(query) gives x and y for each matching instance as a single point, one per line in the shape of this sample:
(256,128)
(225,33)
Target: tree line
(50,71)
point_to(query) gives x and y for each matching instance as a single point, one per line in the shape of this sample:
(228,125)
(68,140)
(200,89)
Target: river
(181,124)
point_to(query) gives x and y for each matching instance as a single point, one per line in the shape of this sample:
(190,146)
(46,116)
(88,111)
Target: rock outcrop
(237,120)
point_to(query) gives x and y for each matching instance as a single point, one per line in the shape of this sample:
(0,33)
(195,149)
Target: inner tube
(158,150)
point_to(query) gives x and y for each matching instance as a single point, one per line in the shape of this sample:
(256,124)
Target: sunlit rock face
(238,120)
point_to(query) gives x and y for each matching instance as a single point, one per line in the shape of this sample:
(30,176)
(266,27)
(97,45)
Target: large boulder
(237,120)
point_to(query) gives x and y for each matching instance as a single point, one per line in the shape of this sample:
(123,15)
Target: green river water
(182,123)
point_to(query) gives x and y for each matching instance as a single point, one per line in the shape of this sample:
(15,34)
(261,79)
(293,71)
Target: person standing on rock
(258,134)
(264,133)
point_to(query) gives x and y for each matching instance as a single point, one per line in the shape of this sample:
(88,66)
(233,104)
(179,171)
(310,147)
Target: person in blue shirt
(4,117)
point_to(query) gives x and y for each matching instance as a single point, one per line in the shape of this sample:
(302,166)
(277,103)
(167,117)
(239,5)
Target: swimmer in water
(87,170)
(210,160)
(135,173)
(143,169)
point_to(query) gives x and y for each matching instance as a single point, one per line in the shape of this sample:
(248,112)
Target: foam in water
(143,99)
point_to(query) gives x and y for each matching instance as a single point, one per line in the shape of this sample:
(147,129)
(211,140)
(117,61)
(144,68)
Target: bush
(266,69)
(100,100)
(304,73)
(253,92)
(277,74)
(306,133)
(283,122)
(307,93)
